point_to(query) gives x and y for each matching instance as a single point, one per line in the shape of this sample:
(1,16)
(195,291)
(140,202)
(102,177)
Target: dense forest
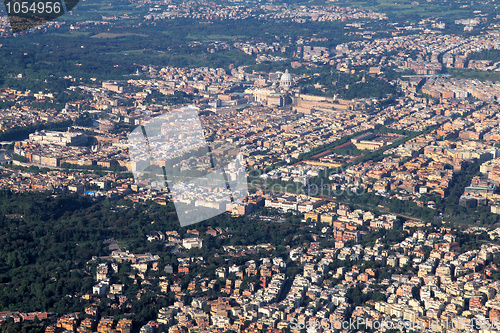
(347,86)
(180,43)
(47,242)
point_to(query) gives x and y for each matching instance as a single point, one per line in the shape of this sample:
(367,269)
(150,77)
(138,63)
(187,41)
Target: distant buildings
(192,243)
(58,138)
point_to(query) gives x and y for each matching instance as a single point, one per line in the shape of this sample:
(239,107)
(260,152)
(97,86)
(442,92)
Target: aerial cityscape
(250,166)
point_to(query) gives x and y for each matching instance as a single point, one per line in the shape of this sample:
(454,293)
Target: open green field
(214,37)
(116,35)
(72,34)
(474,74)
(415,10)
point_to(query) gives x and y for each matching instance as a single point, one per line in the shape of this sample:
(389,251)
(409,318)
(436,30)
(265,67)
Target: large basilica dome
(286,81)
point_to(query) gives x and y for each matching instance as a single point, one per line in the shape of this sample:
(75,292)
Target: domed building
(286,81)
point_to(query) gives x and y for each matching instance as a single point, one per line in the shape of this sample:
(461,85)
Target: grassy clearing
(116,35)
(208,38)
(474,74)
(72,34)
